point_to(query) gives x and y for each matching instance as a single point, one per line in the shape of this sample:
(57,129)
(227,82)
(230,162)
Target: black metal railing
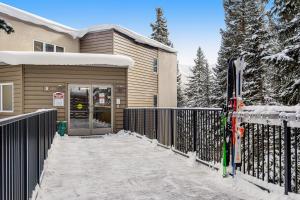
(24,144)
(268,151)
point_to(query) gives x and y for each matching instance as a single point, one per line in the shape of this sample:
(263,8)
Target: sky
(191,23)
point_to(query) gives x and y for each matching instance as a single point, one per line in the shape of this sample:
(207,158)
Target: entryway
(90,109)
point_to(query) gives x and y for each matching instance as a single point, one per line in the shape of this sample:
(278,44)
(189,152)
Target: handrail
(13,119)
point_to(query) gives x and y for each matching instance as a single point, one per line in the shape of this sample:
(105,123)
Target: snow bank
(51,58)
(29,17)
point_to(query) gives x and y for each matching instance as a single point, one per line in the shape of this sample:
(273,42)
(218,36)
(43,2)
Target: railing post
(26,158)
(195,129)
(144,127)
(287,158)
(172,127)
(156,122)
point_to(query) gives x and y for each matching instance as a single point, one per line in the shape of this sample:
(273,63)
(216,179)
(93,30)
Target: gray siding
(98,42)
(37,77)
(13,74)
(142,81)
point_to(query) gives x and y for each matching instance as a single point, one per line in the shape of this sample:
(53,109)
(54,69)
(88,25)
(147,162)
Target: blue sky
(191,23)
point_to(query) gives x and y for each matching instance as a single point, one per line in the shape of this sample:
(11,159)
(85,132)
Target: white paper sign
(101,100)
(58,99)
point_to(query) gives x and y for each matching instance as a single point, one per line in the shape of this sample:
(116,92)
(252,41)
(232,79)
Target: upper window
(155,65)
(59,49)
(45,47)
(6,97)
(38,46)
(49,48)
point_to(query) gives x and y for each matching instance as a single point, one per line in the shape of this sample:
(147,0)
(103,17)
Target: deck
(124,167)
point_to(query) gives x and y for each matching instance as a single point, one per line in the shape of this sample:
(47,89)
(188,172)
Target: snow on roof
(51,58)
(136,36)
(35,19)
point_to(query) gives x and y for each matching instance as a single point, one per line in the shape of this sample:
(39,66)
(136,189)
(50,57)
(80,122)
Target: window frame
(44,47)
(155,72)
(1,98)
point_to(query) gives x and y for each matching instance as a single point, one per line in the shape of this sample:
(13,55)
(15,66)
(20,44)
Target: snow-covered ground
(123,166)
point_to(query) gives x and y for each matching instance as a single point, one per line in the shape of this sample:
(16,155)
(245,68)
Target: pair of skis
(232,131)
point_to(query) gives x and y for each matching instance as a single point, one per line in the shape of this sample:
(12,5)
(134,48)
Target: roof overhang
(74,59)
(35,19)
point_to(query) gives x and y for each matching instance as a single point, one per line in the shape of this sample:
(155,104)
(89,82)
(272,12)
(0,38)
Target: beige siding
(98,42)
(167,79)
(13,74)
(142,81)
(36,78)
(25,33)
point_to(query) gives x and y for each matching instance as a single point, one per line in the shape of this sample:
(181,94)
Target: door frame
(90,130)
(97,131)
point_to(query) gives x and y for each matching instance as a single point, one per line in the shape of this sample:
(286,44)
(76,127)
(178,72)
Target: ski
(233,130)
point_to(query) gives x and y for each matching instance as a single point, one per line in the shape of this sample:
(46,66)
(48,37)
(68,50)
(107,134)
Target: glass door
(79,110)
(102,109)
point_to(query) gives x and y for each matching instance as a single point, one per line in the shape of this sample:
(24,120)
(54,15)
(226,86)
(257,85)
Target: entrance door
(102,106)
(79,101)
(90,109)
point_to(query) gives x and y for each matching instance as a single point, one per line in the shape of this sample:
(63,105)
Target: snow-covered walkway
(124,167)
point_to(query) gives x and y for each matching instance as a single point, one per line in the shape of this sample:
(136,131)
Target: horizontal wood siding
(142,81)
(13,74)
(98,42)
(36,78)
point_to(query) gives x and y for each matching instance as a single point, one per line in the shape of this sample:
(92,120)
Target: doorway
(90,109)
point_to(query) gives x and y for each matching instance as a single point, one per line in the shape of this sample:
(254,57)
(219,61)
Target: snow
(35,19)
(51,58)
(272,115)
(29,17)
(122,166)
(136,36)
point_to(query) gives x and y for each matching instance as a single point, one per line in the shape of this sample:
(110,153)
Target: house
(89,75)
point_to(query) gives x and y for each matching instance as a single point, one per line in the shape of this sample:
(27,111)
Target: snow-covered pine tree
(287,59)
(199,87)
(160,29)
(180,95)
(253,49)
(232,37)
(220,74)
(4,26)
(272,71)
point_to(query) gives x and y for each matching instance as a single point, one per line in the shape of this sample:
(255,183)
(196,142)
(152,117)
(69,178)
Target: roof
(136,36)
(52,58)
(75,33)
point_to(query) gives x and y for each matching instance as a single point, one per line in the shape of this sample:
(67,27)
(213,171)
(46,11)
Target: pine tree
(4,26)
(232,38)
(160,31)
(253,49)
(199,87)
(180,95)
(272,75)
(220,74)
(287,59)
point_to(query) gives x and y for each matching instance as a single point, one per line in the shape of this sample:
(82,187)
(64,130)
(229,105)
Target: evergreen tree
(287,59)
(253,49)
(160,31)
(232,38)
(4,26)
(199,87)
(180,95)
(272,75)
